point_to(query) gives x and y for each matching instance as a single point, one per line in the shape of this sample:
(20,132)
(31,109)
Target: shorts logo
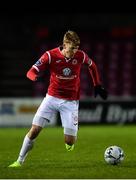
(66,72)
(75,118)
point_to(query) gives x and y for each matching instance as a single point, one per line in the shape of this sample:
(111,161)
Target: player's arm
(34,72)
(94,73)
(98,87)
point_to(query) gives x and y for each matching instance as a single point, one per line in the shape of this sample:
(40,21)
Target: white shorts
(51,105)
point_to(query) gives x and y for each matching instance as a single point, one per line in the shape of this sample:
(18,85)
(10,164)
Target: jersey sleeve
(94,74)
(39,66)
(43,62)
(92,69)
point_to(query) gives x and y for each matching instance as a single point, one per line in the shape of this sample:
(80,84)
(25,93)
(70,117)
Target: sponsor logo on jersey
(66,72)
(64,77)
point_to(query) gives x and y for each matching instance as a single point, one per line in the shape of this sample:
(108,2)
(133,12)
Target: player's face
(70,49)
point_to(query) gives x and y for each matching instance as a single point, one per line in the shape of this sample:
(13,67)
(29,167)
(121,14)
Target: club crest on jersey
(74,61)
(66,72)
(38,63)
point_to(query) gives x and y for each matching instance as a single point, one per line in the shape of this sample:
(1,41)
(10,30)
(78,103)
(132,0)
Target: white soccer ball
(114,155)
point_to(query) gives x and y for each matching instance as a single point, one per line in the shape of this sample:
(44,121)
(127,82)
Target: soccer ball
(114,155)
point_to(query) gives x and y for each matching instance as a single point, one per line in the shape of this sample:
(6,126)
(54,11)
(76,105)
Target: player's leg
(28,142)
(69,118)
(44,113)
(70,137)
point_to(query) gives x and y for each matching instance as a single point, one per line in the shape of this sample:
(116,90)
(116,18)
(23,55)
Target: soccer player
(63,92)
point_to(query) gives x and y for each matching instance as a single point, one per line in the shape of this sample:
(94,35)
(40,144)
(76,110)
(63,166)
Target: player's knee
(70,136)
(70,132)
(70,140)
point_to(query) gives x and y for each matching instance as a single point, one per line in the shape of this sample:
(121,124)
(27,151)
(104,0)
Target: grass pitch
(50,160)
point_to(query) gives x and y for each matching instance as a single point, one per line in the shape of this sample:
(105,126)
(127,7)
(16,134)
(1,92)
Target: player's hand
(101,91)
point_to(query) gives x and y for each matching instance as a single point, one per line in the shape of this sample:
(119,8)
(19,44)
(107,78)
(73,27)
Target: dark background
(109,38)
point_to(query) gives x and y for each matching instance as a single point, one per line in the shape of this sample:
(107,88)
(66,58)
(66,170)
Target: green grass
(50,160)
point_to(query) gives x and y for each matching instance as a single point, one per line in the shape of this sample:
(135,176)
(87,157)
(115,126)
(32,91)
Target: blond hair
(71,36)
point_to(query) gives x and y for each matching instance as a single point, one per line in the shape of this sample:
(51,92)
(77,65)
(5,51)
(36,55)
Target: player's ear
(64,45)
